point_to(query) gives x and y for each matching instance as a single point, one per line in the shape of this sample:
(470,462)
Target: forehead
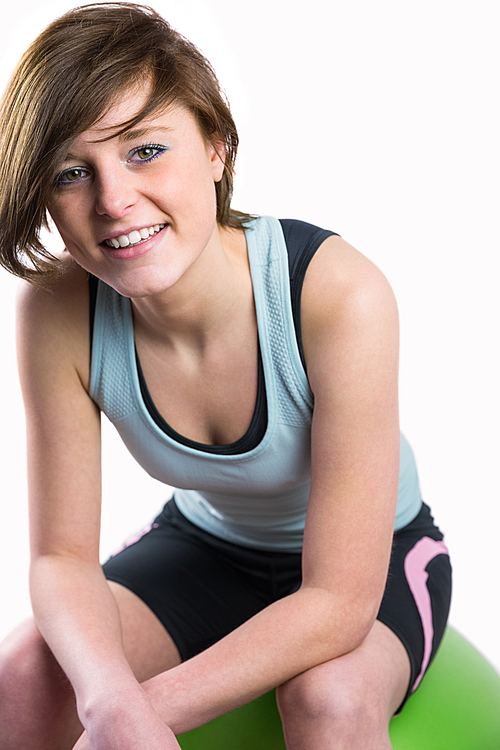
(122,108)
(125,108)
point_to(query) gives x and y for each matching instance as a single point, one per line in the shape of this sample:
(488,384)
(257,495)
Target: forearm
(78,617)
(287,638)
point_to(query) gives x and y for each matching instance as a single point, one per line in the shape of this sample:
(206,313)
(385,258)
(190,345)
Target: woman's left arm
(350,335)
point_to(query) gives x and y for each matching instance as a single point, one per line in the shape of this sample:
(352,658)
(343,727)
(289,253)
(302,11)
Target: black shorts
(202,587)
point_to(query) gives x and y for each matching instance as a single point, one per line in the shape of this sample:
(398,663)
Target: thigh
(416,601)
(37,701)
(388,666)
(147,645)
(198,586)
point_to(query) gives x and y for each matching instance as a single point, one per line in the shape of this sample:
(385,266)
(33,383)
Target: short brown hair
(65,82)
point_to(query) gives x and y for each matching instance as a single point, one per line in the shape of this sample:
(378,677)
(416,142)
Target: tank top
(253,492)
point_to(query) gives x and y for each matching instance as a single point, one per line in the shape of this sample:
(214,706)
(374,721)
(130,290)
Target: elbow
(343,621)
(354,627)
(51,570)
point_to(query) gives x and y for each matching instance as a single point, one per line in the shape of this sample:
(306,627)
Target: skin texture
(194,320)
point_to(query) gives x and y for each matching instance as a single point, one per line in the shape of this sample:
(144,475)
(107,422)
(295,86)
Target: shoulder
(53,320)
(346,302)
(339,273)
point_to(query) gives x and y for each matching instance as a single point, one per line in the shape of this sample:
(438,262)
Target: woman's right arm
(73,606)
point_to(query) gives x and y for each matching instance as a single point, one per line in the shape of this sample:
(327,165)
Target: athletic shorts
(202,587)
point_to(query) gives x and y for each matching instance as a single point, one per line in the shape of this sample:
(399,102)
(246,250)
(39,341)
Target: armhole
(301,240)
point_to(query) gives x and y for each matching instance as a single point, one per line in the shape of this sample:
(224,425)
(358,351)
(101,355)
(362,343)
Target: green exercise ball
(457,707)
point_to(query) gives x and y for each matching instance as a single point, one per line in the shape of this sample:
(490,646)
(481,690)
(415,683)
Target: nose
(115,193)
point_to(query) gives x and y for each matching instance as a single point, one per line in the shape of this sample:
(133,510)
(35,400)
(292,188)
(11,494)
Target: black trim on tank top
(250,439)
(301,240)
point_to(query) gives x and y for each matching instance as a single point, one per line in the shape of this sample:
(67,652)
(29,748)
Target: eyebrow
(131,135)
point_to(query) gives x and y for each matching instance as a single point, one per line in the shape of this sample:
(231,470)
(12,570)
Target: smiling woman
(249,362)
(120,207)
(64,84)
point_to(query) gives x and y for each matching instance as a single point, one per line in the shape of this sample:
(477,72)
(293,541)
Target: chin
(138,285)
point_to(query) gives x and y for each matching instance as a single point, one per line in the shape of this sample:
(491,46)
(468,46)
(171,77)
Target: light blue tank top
(257,498)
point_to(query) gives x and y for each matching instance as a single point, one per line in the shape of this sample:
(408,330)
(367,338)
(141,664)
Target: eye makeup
(75,175)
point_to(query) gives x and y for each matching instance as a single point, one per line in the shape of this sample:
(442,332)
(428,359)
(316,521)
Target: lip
(127,231)
(134,251)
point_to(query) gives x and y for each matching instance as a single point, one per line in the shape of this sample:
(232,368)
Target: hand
(135,726)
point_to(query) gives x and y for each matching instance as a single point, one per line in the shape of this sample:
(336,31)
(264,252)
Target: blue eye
(147,153)
(70,176)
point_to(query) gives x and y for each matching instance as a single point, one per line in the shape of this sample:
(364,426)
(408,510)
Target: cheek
(74,236)
(190,194)
(73,240)
(67,218)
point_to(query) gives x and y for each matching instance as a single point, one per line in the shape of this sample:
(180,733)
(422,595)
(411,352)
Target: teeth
(136,236)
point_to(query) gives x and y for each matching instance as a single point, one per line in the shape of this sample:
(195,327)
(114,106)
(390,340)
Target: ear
(217,152)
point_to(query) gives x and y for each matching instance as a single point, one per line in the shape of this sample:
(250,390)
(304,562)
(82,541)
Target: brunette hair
(65,82)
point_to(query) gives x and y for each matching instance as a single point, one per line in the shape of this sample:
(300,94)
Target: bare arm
(350,330)
(73,606)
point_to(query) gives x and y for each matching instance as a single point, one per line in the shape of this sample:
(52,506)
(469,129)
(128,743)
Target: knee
(323,698)
(24,658)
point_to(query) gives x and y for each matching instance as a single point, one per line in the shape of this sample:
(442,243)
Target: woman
(249,362)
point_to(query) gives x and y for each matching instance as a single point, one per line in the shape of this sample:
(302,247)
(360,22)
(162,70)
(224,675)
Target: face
(138,210)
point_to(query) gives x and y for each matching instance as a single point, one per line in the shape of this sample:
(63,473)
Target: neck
(208,300)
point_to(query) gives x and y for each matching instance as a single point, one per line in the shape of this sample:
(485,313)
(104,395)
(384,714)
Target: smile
(134,238)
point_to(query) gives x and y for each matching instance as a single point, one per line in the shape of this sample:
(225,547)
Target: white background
(379,120)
